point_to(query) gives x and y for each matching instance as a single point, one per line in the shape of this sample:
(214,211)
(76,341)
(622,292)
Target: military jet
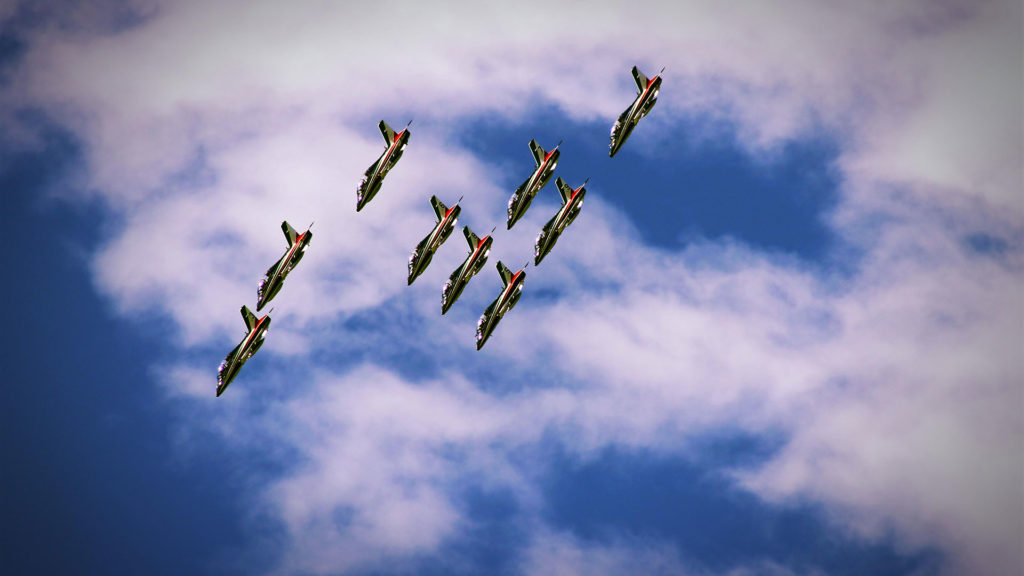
(480,249)
(396,143)
(447,218)
(572,202)
(274,279)
(503,303)
(648,95)
(521,198)
(232,364)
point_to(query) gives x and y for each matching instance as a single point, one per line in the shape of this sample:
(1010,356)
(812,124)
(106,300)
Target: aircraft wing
(249,317)
(472,239)
(640,79)
(563,190)
(439,207)
(506,274)
(387,132)
(538,152)
(270,271)
(289,232)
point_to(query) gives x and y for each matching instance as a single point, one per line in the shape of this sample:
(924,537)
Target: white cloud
(898,385)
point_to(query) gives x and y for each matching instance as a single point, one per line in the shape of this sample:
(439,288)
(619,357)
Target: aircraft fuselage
(273,282)
(554,228)
(523,196)
(502,304)
(424,252)
(236,358)
(641,106)
(374,177)
(464,273)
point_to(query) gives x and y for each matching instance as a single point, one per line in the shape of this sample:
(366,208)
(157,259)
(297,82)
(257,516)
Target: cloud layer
(897,385)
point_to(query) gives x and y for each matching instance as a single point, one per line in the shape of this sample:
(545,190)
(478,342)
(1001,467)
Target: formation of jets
(447,220)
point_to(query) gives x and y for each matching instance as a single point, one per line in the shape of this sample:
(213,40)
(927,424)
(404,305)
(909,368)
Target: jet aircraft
(502,304)
(479,250)
(447,218)
(648,95)
(572,202)
(396,143)
(521,198)
(274,279)
(232,364)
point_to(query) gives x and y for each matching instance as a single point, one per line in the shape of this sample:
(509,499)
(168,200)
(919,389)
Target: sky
(783,336)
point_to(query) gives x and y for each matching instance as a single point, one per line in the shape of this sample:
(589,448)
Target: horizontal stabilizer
(538,152)
(563,190)
(387,132)
(641,80)
(439,207)
(289,232)
(249,317)
(472,239)
(506,274)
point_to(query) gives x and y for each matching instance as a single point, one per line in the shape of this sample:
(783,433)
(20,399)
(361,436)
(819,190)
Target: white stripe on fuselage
(387,154)
(246,343)
(471,260)
(288,257)
(438,230)
(499,311)
(639,99)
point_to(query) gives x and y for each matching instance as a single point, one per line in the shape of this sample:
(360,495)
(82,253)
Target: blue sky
(781,338)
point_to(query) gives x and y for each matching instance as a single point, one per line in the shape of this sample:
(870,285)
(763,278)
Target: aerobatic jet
(572,202)
(274,279)
(503,303)
(447,218)
(521,198)
(648,95)
(257,331)
(479,250)
(396,143)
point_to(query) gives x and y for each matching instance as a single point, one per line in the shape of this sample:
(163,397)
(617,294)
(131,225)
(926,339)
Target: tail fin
(640,79)
(472,239)
(289,233)
(249,317)
(538,152)
(563,190)
(387,132)
(439,207)
(506,274)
